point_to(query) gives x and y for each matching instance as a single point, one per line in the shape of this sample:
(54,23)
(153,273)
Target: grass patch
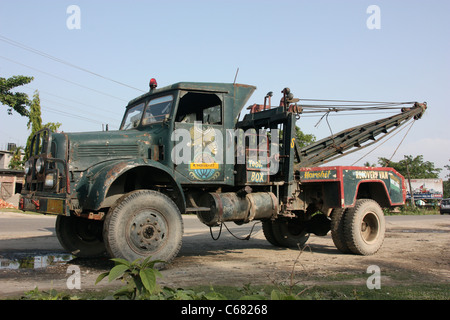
(344,292)
(408,211)
(339,292)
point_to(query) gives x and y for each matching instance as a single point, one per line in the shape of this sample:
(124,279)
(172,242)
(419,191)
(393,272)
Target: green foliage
(447,182)
(16,162)
(19,102)
(16,101)
(303,139)
(35,121)
(417,167)
(280,292)
(139,276)
(35,294)
(168,293)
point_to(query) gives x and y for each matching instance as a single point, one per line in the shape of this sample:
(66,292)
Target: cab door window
(203,107)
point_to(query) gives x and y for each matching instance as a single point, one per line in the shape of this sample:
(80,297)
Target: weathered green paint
(346,183)
(387,180)
(96,160)
(235,95)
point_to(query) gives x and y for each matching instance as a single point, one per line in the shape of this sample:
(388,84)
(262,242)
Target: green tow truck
(182,149)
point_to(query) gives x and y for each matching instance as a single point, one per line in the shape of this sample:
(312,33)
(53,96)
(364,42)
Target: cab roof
(235,94)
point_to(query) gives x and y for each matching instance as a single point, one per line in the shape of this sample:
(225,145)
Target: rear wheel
(81,237)
(143,223)
(290,233)
(337,230)
(268,232)
(364,227)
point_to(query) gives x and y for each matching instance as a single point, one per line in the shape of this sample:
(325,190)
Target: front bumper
(41,204)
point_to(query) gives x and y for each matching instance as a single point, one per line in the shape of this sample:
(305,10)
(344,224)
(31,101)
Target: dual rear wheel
(358,230)
(285,233)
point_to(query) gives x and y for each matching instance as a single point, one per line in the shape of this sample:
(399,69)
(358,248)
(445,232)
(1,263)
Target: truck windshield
(156,110)
(133,117)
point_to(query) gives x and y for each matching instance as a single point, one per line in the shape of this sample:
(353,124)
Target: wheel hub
(370,228)
(146,231)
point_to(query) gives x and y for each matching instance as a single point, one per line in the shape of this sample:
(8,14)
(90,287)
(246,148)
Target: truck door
(199,152)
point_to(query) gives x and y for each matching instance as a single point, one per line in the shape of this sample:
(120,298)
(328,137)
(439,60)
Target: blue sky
(320,49)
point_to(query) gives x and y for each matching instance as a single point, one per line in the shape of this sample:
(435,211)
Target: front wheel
(364,227)
(81,237)
(143,223)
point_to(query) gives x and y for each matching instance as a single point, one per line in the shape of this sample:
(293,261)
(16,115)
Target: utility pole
(409,182)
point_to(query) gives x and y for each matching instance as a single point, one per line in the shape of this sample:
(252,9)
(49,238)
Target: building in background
(11,181)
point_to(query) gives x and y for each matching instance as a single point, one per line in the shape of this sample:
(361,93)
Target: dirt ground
(414,251)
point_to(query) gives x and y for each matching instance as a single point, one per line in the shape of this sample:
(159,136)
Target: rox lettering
(211,144)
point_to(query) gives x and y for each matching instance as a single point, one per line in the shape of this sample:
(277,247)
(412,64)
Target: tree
(447,182)
(16,101)
(35,121)
(16,162)
(303,139)
(418,168)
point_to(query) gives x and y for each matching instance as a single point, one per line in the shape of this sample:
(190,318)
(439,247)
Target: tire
(81,237)
(364,227)
(337,230)
(287,233)
(268,232)
(143,223)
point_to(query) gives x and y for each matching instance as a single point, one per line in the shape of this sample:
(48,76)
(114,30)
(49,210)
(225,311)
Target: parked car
(445,206)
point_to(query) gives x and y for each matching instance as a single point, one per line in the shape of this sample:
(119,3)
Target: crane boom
(356,138)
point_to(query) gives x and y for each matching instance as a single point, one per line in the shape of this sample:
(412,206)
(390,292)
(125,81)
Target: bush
(140,277)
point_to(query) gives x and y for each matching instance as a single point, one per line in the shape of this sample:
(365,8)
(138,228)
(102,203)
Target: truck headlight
(49,180)
(28,166)
(40,165)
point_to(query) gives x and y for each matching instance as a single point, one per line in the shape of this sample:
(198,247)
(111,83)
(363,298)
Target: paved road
(25,232)
(29,232)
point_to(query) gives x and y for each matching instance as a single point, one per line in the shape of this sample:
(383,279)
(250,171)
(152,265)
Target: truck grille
(107,151)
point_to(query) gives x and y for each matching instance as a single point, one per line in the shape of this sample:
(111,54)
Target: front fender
(98,180)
